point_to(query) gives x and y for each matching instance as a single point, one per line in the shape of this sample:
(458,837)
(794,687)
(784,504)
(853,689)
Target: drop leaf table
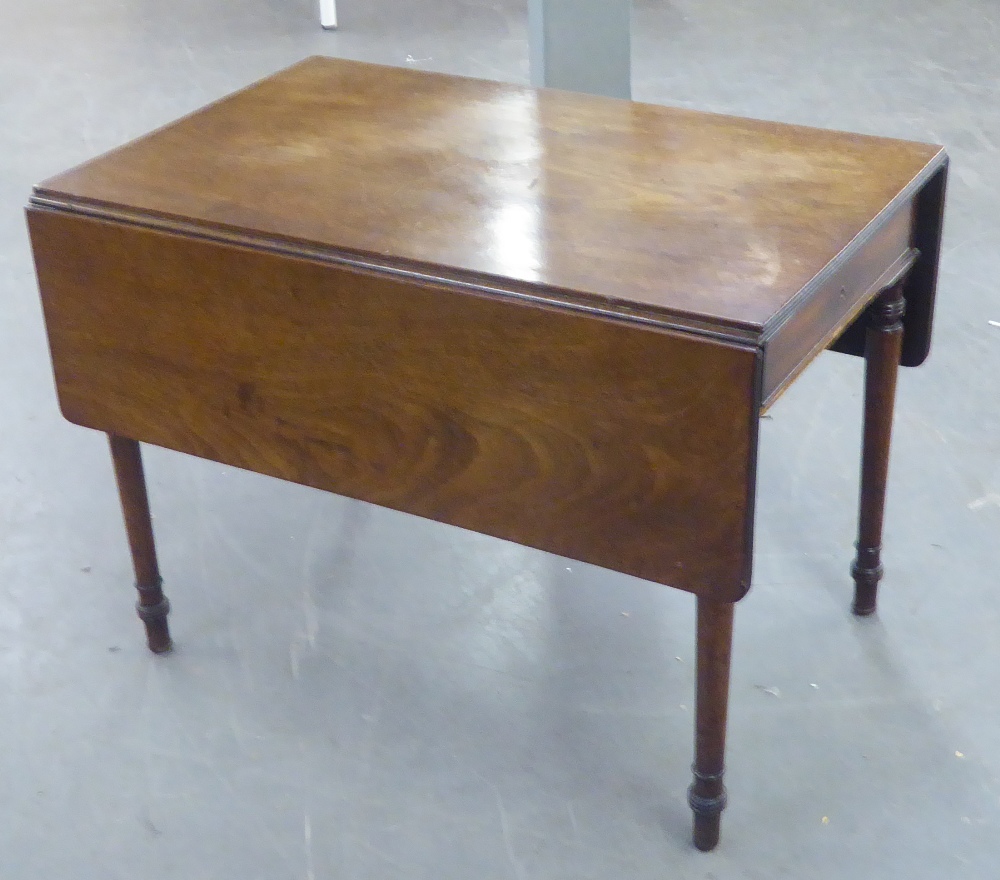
(548,317)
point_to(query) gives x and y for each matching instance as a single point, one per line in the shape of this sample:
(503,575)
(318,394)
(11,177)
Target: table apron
(858,276)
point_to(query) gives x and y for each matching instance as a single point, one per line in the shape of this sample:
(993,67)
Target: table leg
(884,341)
(152,606)
(707,794)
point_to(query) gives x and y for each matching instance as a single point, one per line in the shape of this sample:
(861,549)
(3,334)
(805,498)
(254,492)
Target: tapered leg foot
(867,572)
(707,810)
(152,606)
(882,349)
(707,794)
(154,618)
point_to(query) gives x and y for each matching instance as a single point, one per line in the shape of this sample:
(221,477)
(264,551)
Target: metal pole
(581,45)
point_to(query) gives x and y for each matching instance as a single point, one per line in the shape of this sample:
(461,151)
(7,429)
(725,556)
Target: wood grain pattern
(675,214)
(622,445)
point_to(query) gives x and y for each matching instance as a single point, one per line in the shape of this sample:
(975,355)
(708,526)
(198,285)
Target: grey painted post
(581,45)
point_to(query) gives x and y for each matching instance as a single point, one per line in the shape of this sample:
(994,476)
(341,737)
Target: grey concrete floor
(357,693)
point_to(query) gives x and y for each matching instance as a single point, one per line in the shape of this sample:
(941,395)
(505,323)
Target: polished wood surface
(152,606)
(688,218)
(885,340)
(623,445)
(714,647)
(547,317)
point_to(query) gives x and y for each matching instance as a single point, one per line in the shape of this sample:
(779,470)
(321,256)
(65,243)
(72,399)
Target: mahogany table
(549,317)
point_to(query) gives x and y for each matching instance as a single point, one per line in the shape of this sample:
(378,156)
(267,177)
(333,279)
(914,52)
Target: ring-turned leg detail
(707,809)
(152,606)
(884,341)
(707,794)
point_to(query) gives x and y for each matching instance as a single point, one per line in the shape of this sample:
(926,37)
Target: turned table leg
(883,344)
(707,794)
(152,606)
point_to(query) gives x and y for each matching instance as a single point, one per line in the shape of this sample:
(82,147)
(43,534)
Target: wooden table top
(664,213)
